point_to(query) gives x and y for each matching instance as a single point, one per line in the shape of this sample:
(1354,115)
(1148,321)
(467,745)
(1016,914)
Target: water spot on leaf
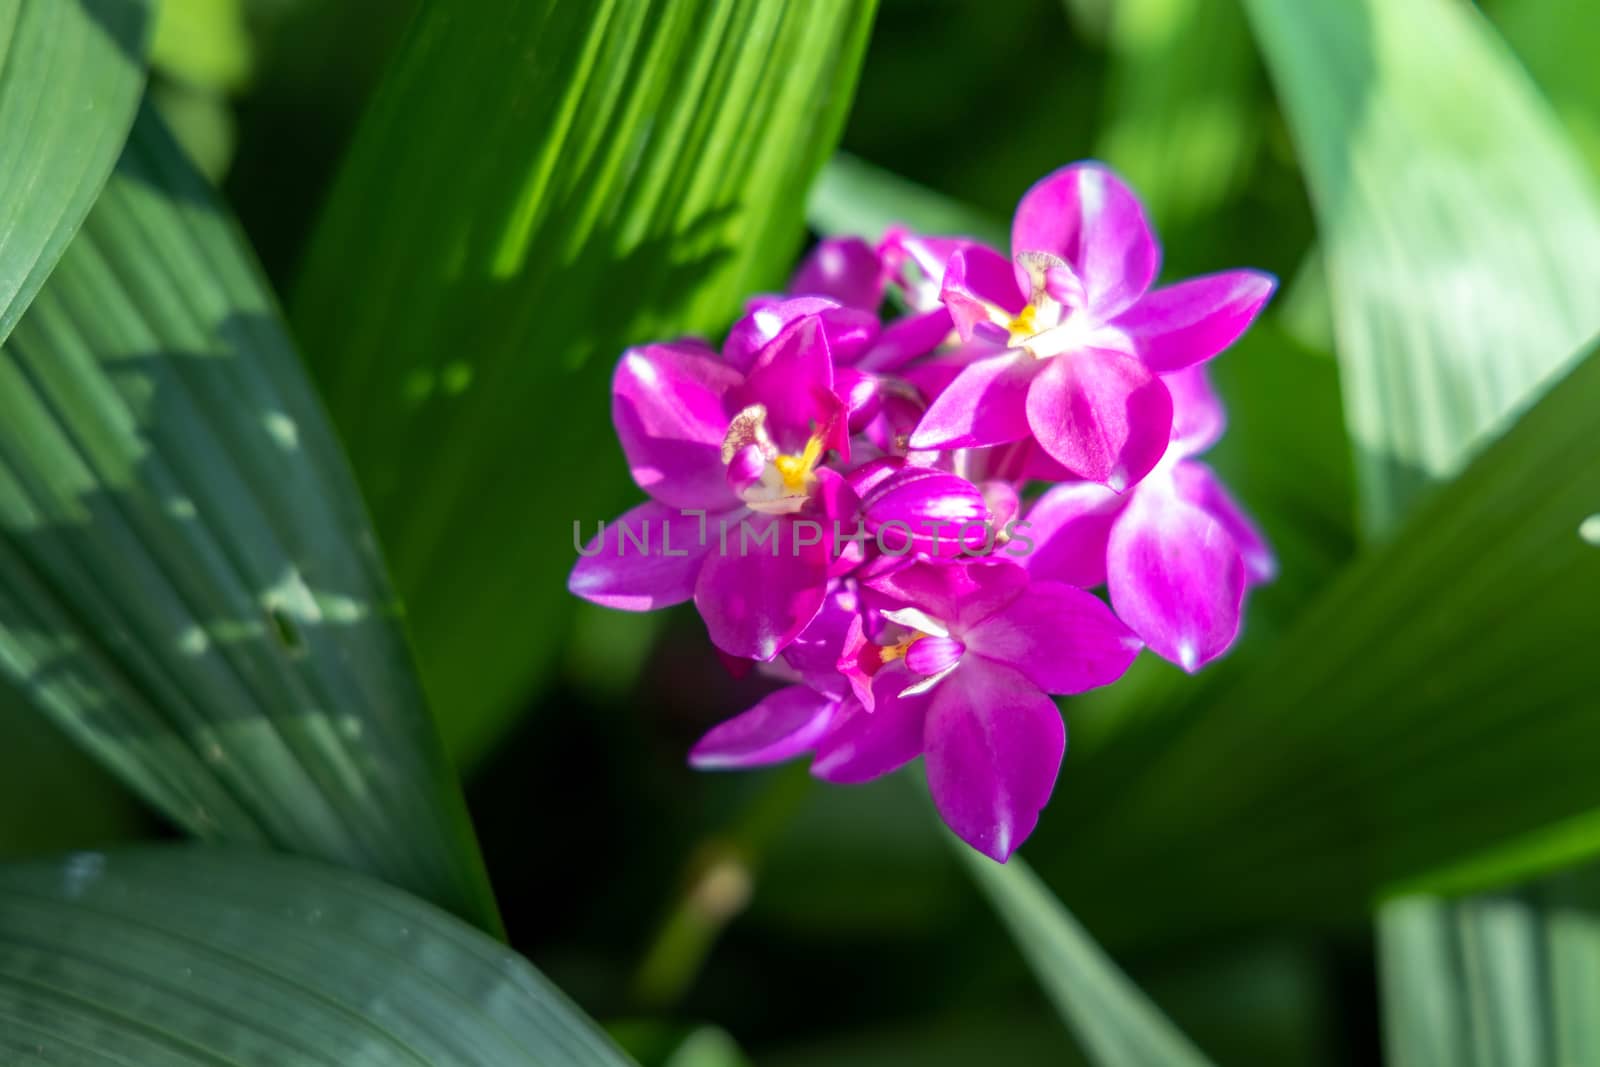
(1589,530)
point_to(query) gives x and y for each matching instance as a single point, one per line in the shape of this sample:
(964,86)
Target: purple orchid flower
(1084,338)
(959,671)
(734,464)
(1176,552)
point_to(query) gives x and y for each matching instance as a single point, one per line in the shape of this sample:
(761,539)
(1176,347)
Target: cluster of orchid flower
(851,503)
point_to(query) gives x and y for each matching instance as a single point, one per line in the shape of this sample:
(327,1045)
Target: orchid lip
(783,484)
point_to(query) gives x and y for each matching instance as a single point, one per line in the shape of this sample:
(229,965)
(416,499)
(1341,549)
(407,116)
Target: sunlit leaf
(188,584)
(537,185)
(1458,227)
(194,956)
(71,72)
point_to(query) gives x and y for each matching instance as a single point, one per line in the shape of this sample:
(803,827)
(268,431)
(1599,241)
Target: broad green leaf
(1508,980)
(1116,1024)
(1436,702)
(71,72)
(188,584)
(192,955)
(1542,32)
(1459,227)
(536,186)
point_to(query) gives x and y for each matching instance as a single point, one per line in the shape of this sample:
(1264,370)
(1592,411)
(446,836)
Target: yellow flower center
(799,471)
(1025,325)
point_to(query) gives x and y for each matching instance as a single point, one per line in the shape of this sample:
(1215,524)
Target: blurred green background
(1207,831)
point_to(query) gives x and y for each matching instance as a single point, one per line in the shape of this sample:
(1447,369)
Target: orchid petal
(786,724)
(1086,215)
(1198,417)
(864,745)
(906,339)
(959,595)
(1101,415)
(814,653)
(1063,639)
(930,511)
(792,380)
(993,744)
(1175,577)
(986,404)
(1066,533)
(669,405)
(1199,484)
(845,268)
(1190,322)
(850,331)
(616,572)
(760,591)
(980,288)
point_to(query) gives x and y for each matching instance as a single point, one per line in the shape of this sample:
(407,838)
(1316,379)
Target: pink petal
(926,510)
(960,595)
(1101,415)
(1198,418)
(1200,486)
(994,744)
(986,404)
(793,380)
(1065,534)
(980,289)
(930,656)
(1192,321)
(846,269)
(850,331)
(669,405)
(786,724)
(1063,639)
(907,338)
(616,572)
(1175,577)
(863,744)
(815,652)
(760,591)
(1086,215)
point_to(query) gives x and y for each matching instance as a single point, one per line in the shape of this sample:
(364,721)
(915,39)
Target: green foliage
(1116,1024)
(179,956)
(1508,980)
(187,581)
(70,76)
(1459,228)
(646,173)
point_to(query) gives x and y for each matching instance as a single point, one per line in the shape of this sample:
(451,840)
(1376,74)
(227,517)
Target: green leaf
(1117,1025)
(190,955)
(1508,980)
(1436,702)
(1459,227)
(188,584)
(536,186)
(71,72)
